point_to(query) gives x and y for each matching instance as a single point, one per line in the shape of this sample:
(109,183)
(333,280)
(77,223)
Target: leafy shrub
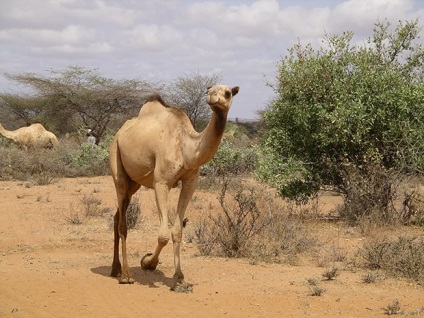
(230,160)
(346,105)
(91,160)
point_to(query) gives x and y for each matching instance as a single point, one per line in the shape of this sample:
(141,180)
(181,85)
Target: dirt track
(51,268)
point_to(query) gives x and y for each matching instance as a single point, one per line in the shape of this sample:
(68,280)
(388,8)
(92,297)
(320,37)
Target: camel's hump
(156,98)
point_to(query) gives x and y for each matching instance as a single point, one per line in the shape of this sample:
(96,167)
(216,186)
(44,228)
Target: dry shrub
(393,308)
(331,273)
(74,215)
(43,165)
(403,257)
(369,194)
(37,164)
(412,211)
(91,206)
(252,224)
(316,291)
(43,178)
(133,213)
(88,207)
(205,236)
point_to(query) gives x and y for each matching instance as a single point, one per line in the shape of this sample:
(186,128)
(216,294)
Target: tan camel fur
(158,149)
(33,136)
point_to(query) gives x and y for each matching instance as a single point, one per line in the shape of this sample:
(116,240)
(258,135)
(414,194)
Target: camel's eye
(227,94)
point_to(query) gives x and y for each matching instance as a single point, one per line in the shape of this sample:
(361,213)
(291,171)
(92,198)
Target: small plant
(331,273)
(316,291)
(313,281)
(74,216)
(393,308)
(92,206)
(43,178)
(372,277)
(339,254)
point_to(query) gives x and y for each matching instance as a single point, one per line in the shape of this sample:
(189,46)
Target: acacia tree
(188,93)
(348,116)
(76,98)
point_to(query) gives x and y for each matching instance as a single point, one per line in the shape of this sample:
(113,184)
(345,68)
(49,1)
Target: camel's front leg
(150,261)
(187,190)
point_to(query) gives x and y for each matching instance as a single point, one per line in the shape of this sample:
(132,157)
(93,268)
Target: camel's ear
(235,90)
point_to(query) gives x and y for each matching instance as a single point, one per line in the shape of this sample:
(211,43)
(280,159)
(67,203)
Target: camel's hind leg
(125,188)
(120,233)
(116,264)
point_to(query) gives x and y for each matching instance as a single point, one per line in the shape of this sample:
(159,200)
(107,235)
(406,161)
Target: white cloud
(160,40)
(152,37)
(359,15)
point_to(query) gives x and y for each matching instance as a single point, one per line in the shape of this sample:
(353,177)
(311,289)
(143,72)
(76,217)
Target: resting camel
(33,136)
(157,149)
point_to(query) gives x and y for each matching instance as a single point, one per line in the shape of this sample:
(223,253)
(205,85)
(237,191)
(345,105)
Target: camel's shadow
(151,279)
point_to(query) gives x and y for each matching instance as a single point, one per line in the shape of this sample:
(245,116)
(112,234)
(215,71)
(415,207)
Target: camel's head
(220,97)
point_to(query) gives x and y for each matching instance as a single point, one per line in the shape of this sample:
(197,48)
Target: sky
(158,41)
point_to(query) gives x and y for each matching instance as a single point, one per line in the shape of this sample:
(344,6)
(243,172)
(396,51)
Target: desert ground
(51,267)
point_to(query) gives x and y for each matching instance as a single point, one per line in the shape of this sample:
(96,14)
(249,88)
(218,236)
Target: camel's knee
(177,235)
(163,240)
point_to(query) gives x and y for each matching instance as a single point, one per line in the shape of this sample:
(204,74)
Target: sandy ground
(52,268)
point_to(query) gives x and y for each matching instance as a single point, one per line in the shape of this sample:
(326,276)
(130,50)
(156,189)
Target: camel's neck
(6,133)
(207,143)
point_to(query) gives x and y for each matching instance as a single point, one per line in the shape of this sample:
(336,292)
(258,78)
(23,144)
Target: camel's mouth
(212,100)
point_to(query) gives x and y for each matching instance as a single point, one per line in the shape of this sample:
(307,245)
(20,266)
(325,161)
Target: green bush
(231,159)
(346,106)
(90,160)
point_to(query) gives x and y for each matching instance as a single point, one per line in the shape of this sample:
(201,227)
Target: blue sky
(161,40)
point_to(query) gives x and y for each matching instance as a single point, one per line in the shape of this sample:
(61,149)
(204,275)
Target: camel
(158,149)
(33,136)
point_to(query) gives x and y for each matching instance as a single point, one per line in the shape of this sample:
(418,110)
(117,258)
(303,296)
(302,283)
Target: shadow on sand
(148,278)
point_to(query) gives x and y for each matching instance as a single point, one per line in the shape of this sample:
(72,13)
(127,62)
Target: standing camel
(157,149)
(33,136)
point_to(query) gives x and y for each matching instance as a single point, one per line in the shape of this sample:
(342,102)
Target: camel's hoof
(126,280)
(116,269)
(115,272)
(182,287)
(146,264)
